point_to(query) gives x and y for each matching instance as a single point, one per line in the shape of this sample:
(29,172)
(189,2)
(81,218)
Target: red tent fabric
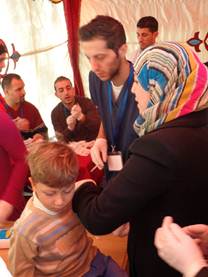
(72,16)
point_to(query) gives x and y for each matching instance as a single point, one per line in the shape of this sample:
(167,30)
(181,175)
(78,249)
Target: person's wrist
(100,139)
(194,268)
(84,181)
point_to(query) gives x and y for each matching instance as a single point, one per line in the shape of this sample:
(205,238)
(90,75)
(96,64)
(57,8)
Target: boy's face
(54,199)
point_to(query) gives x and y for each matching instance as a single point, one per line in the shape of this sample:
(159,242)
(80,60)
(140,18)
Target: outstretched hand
(99,152)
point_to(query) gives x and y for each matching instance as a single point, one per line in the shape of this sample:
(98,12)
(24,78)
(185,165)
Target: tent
(44,32)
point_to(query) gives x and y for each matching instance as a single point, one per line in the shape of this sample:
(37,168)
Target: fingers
(196,230)
(164,232)
(99,152)
(96,157)
(104,155)
(167,220)
(178,232)
(158,238)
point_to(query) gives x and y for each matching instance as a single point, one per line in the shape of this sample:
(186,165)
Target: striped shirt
(49,244)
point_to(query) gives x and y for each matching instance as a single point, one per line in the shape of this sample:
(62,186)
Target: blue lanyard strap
(66,112)
(115,128)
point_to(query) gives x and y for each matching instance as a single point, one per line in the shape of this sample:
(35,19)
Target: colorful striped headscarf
(176,80)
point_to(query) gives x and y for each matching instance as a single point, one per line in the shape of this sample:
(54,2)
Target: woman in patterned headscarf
(166,173)
(173,80)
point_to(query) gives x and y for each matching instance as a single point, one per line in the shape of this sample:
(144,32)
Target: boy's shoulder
(30,221)
(36,225)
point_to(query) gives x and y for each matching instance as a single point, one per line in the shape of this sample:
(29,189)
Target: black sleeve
(203,272)
(140,181)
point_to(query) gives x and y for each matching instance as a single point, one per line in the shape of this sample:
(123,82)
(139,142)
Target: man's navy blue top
(119,134)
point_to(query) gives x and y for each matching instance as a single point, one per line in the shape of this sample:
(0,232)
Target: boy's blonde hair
(53,164)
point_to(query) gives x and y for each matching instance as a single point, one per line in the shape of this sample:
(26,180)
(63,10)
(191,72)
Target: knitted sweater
(48,244)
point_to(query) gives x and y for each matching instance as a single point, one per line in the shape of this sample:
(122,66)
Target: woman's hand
(178,249)
(199,232)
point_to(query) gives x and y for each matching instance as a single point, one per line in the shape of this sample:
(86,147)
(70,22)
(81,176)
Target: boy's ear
(32,183)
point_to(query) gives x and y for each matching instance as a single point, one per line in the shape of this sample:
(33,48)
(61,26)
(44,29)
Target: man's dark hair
(104,27)
(61,78)
(148,22)
(6,82)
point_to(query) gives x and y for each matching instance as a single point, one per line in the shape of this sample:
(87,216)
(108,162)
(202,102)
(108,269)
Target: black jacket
(166,174)
(203,272)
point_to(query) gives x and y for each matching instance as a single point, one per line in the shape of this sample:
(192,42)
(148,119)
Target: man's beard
(116,71)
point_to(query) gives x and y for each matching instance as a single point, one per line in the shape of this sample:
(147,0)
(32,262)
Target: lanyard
(66,112)
(121,109)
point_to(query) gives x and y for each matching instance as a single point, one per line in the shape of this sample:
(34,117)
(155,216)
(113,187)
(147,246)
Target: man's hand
(38,137)
(178,249)
(22,124)
(99,152)
(76,112)
(71,122)
(82,147)
(6,210)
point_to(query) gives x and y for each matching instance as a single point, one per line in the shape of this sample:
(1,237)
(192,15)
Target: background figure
(48,239)
(24,114)
(13,169)
(75,118)
(163,174)
(3,55)
(103,41)
(147,32)
(176,247)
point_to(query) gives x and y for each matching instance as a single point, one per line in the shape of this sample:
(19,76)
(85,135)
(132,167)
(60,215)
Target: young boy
(48,239)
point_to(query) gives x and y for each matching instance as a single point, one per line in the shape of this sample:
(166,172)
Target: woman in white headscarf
(167,169)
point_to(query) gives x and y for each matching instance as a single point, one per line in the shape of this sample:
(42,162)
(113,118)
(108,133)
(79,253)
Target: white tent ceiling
(33,26)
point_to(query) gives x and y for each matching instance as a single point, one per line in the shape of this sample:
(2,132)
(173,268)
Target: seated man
(13,169)
(147,32)
(75,118)
(24,114)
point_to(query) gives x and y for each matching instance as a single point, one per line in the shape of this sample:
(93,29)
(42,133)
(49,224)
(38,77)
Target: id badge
(114,161)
